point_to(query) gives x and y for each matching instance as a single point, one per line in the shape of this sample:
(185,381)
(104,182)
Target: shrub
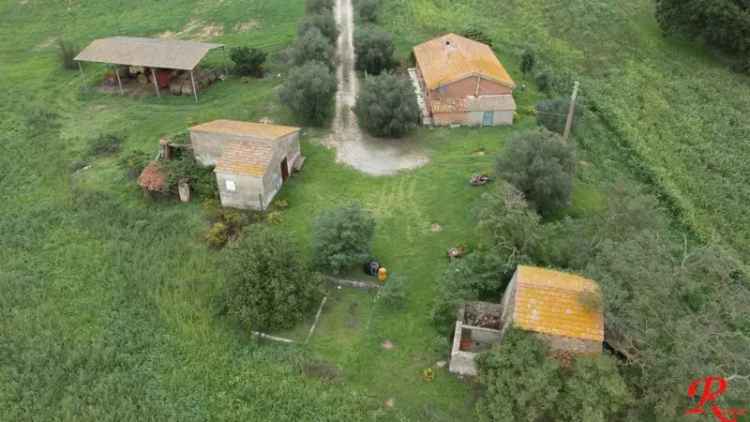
(325,23)
(319,6)
(541,166)
(342,237)
(310,92)
(67,52)
(387,106)
(393,293)
(374,49)
(312,46)
(528,61)
(543,81)
(553,114)
(477,35)
(104,145)
(248,61)
(269,286)
(133,163)
(368,10)
(201,179)
(217,236)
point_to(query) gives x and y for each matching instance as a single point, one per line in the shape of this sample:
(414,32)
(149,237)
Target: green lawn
(107,309)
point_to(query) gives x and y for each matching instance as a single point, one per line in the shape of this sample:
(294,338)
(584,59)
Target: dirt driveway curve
(374,156)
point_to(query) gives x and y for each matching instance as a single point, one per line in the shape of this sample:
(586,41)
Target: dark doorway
(284,170)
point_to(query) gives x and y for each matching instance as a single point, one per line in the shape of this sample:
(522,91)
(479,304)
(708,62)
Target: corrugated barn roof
(148,52)
(452,57)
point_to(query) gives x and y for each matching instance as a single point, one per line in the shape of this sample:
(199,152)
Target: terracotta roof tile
(451,57)
(549,302)
(258,130)
(245,158)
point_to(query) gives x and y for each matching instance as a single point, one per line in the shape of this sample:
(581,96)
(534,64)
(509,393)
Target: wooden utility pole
(571,112)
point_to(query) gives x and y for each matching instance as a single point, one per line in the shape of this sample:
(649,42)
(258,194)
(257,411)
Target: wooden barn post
(156,83)
(195,91)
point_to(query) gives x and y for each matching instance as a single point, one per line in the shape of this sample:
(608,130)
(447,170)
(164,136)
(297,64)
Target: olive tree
(269,285)
(374,50)
(312,46)
(342,237)
(387,106)
(310,92)
(541,166)
(325,23)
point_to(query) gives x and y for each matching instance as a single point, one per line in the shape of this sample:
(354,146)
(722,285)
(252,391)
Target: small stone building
(461,81)
(564,309)
(253,160)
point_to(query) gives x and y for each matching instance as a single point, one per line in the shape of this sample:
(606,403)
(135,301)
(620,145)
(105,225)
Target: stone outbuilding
(564,309)
(252,160)
(461,81)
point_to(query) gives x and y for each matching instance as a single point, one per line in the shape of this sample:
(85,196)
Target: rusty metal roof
(549,302)
(256,130)
(452,57)
(148,52)
(245,158)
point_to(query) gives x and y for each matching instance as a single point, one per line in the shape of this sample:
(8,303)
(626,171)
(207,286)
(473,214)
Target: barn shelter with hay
(252,160)
(168,65)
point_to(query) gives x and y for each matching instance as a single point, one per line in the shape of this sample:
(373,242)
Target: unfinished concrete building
(562,309)
(461,82)
(252,160)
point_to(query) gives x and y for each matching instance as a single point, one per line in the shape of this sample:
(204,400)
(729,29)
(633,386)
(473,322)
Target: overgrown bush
(528,61)
(477,34)
(67,52)
(543,81)
(387,106)
(368,10)
(185,168)
(310,92)
(342,238)
(319,6)
(524,383)
(104,145)
(723,23)
(374,49)
(541,166)
(133,163)
(553,114)
(269,285)
(312,46)
(325,23)
(248,61)
(393,293)
(217,236)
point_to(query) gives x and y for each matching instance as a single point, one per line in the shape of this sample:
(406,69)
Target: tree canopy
(310,92)
(387,106)
(342,237)
(374,50)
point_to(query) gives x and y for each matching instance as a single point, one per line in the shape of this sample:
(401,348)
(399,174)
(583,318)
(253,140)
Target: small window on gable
(231,186)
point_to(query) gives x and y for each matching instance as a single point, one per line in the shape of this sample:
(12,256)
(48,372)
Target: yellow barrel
(382,274)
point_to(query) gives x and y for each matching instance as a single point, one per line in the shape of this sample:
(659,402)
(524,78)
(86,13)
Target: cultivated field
(107,301)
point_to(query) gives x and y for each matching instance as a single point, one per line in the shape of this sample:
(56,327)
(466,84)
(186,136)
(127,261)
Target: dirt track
(379,157)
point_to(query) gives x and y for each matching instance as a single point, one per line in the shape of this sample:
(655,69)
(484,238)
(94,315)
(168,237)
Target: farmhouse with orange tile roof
(564,309)
(461,81)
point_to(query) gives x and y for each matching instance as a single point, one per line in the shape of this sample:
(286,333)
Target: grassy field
(107,307)
(677,112)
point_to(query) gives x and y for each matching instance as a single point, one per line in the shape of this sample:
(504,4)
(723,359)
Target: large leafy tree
(310,92)
(525,383)
(324,22)
(342,238)
(269,285)
(541,166)
(312,46)
(374,50)
(387,106)
(723,23)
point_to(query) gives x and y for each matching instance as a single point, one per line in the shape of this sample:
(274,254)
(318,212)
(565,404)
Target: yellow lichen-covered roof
(245,158)
(451,58)
(257,130)
(549,302)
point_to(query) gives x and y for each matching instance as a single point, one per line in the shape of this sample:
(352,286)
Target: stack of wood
(182,85)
